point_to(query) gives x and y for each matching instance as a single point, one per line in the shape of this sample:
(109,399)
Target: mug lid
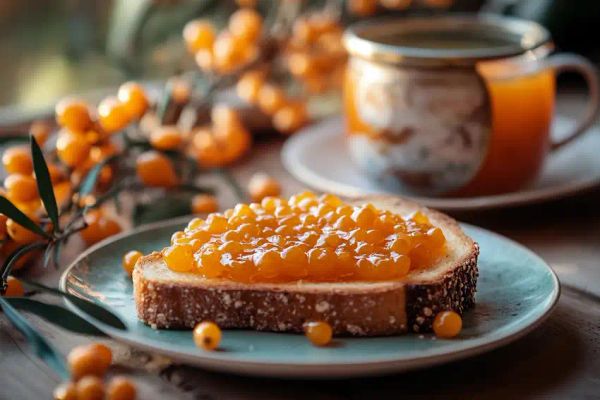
(453,39)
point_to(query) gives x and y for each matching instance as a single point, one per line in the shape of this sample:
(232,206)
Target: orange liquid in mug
(522,109)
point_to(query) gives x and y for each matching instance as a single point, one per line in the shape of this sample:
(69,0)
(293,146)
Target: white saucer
(318,157)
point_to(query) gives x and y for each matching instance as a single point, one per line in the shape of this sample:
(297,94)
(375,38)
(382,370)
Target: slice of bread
(167,299)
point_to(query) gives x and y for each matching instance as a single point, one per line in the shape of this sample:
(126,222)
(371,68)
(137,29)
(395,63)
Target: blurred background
(49,48)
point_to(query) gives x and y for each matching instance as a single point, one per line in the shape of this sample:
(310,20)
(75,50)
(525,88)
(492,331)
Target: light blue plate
(516,291)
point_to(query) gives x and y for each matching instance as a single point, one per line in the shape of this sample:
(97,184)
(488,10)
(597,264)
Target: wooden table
(559,360)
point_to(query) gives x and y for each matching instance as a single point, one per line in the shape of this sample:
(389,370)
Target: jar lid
(453,39)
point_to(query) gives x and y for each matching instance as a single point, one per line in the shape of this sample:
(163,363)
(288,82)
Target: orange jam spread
(309,238)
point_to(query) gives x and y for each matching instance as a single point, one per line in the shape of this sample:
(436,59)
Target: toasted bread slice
(167,299)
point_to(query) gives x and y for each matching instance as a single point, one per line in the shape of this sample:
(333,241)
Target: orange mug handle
(564,62)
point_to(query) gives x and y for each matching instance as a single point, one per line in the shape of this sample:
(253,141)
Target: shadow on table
(539,365)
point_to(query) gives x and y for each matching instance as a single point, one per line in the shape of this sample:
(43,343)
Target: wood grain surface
(559,360)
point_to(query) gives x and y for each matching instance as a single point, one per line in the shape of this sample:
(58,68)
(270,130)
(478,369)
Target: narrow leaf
(94,310)
(55,314)
(11,211)
(44,183)
(38,343)
(16,255)
(89,182)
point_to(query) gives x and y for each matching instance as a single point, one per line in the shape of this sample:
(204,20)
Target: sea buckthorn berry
(120,388)
(243,210)
(129,260)
(99,227)
(204,203)
(245,24)
(362,8)
(262,185)
(199,34)
(179,257)
(400,245)
(14,287)
(345,223)
(156,169)
(90,388)
(447,324)
(207,335)
(318,332)
(88,360)
(295,254)
(290,117)
(249,85)
(113,115)
(210,263)
(304,32)
(166,138)
(40,130)
(364,216)
(321,261)
(103,352)
(419,218)
(56,173)
(73,114)
(20,234)
(331,200)
(21,188)
(436,237)
(72,148)
(204,59)
(271,98)
(231,247)
(17,160)
(267,263)
(62,192)
(301,64)
(216,223)
(229,52)
(65,391)
(195,224)
(224,117)
(133,98)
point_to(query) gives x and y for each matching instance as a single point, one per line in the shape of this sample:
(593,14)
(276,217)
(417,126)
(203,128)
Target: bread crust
(357,309)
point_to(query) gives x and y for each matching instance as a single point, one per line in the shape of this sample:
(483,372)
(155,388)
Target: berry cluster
(88,365)
(228,50)
(314,54)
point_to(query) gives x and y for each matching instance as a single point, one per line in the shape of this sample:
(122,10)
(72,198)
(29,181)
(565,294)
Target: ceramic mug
(455,105)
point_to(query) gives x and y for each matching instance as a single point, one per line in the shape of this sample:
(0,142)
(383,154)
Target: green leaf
(15,255)
(89,182)
(56,314)
(11,211)
(38,343)
(166,207)
(44,183)
(97,311)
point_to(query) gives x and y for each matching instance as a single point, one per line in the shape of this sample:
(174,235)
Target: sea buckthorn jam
(309,238)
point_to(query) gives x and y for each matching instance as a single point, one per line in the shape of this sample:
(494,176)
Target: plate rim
(312,369)
(528,196)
